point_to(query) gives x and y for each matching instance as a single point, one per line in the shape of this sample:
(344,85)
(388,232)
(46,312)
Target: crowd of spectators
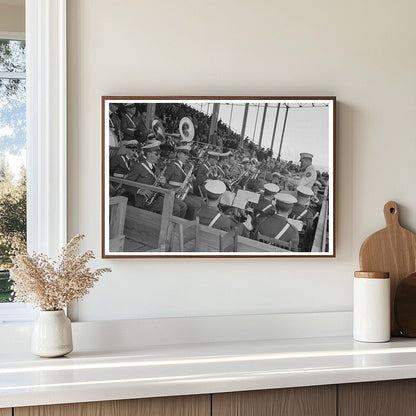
(223,139)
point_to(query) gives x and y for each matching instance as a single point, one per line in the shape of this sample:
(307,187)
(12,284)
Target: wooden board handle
(391,214)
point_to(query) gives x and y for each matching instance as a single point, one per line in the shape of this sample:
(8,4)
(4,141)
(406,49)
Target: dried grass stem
(53,285)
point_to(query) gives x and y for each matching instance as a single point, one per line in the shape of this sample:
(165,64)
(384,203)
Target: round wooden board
(405,306)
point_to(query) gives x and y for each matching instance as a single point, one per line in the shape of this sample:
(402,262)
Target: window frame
(46,138)
(46,125)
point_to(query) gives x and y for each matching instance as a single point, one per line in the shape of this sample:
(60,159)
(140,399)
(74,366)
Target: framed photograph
(218,177)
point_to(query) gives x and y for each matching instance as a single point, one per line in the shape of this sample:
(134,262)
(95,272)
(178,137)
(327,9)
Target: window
(12,164)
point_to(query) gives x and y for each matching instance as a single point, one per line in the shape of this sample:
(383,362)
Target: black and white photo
(218,176)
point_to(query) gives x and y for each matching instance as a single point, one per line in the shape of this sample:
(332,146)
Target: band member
(234,168)
(269,168)
(302,212)
(317,198)
(281,180)
(114,124)
(121,163)
(253,182)
(207,170)
(179,177)
(213,139)
(158,130)
(120,166)
(132,124)
(308,170)
(146,171)
(254,164)
(266,205)
(277,226)
(278,179)
(245,175)
(209,214)
(223,166)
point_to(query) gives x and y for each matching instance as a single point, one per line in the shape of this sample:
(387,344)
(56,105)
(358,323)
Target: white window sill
(16,313)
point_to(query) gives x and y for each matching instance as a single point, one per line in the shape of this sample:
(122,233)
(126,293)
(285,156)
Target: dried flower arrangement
(53,285)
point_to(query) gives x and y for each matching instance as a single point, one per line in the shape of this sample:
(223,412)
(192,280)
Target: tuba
(186,129)
(235,182)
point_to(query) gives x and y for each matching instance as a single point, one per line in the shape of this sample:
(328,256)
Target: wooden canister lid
(372,275)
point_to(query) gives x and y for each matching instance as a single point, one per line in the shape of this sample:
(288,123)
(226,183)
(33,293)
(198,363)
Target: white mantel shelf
(167,370)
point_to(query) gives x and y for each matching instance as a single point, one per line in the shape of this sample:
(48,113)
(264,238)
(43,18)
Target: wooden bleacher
(155,232)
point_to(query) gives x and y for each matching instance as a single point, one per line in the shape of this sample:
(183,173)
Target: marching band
(268,200)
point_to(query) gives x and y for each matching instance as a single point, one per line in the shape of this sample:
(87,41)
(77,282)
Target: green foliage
(12,213)
(6,294)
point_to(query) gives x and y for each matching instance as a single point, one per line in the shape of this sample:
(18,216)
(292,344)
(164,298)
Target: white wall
(12,18)
(363,52)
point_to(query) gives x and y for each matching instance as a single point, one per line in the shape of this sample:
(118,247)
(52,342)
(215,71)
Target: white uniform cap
(153,144)
(285,199)
(271,188)
(213,154)
(304,190)
(307,155)
(245,160)
(183,148)
(155,122)
(130,143)
(215,188)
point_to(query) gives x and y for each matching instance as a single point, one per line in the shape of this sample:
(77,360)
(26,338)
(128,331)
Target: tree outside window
(12,156)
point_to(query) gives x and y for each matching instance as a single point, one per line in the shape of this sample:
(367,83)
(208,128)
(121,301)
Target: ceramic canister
(371,310)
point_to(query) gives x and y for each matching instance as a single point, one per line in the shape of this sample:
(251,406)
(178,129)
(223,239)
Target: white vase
(52,334)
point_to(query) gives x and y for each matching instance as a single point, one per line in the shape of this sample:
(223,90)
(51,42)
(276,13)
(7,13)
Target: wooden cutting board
(393,250)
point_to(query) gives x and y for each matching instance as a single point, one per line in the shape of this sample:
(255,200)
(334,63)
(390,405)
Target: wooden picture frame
(218,176)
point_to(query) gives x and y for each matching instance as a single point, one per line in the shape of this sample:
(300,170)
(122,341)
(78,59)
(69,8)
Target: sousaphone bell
(186,129)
